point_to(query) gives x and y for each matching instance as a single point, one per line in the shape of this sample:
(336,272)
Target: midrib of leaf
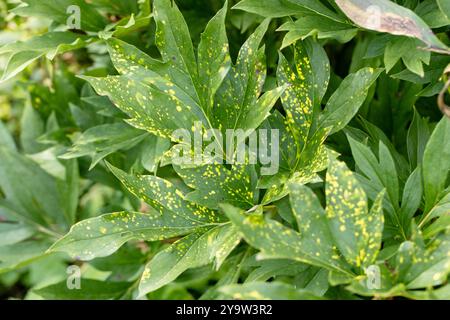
(148,228)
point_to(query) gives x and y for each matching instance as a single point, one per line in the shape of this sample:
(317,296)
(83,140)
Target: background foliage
(86,177)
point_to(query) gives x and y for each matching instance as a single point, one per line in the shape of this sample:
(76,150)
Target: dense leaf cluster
(359,207)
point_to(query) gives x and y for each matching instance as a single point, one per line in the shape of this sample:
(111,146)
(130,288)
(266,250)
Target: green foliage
(358,207)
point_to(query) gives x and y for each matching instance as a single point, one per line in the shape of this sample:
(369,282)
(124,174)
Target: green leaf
(238,102)
(195,250)
(18,62)
(288,153)
(412,197)
(431,13)
(268,269)
(274,240)
(163,195)
(312,221)
(404,259)
(312,24)
(356,231)
(445,7)
(442,223)
(15,256)
(418,135)
(11,233)
(22,54)
(126,26)
(174,42)
(318,8)
(231,276)
(314,280)
(57,10)
(71,185)
(387,287)
(153,151)
(33,128)
(89,290)
(34,194)
(100,141)
(429,267)
(306,85)
(298,99)
(128,59)
(171,216)
(436,163)
(430,79)
(6,140)
(163,96)
(381,173)
(267,291)
(303,94)
(214,60)
(440,211)
(270,8)
(149,108)
(387,16)
(408,50)
(348,98)
(216,184)
(375,136)
(49,43)
(101,236)
(389,174)
(281,8)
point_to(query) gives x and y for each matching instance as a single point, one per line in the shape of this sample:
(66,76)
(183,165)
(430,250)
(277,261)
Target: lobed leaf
(195,250)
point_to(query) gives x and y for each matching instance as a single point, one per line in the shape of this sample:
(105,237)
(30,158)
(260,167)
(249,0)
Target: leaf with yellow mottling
(103,235)
(429,266)
(298,97)
(277,241)
(381,172)
(195,250)
(163,96)
(174,42)
(356,232)
(348,98)
(239,104)
(156,110)
(163,195)
(215,184)
(214,60)
(312,222)
(302,146)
